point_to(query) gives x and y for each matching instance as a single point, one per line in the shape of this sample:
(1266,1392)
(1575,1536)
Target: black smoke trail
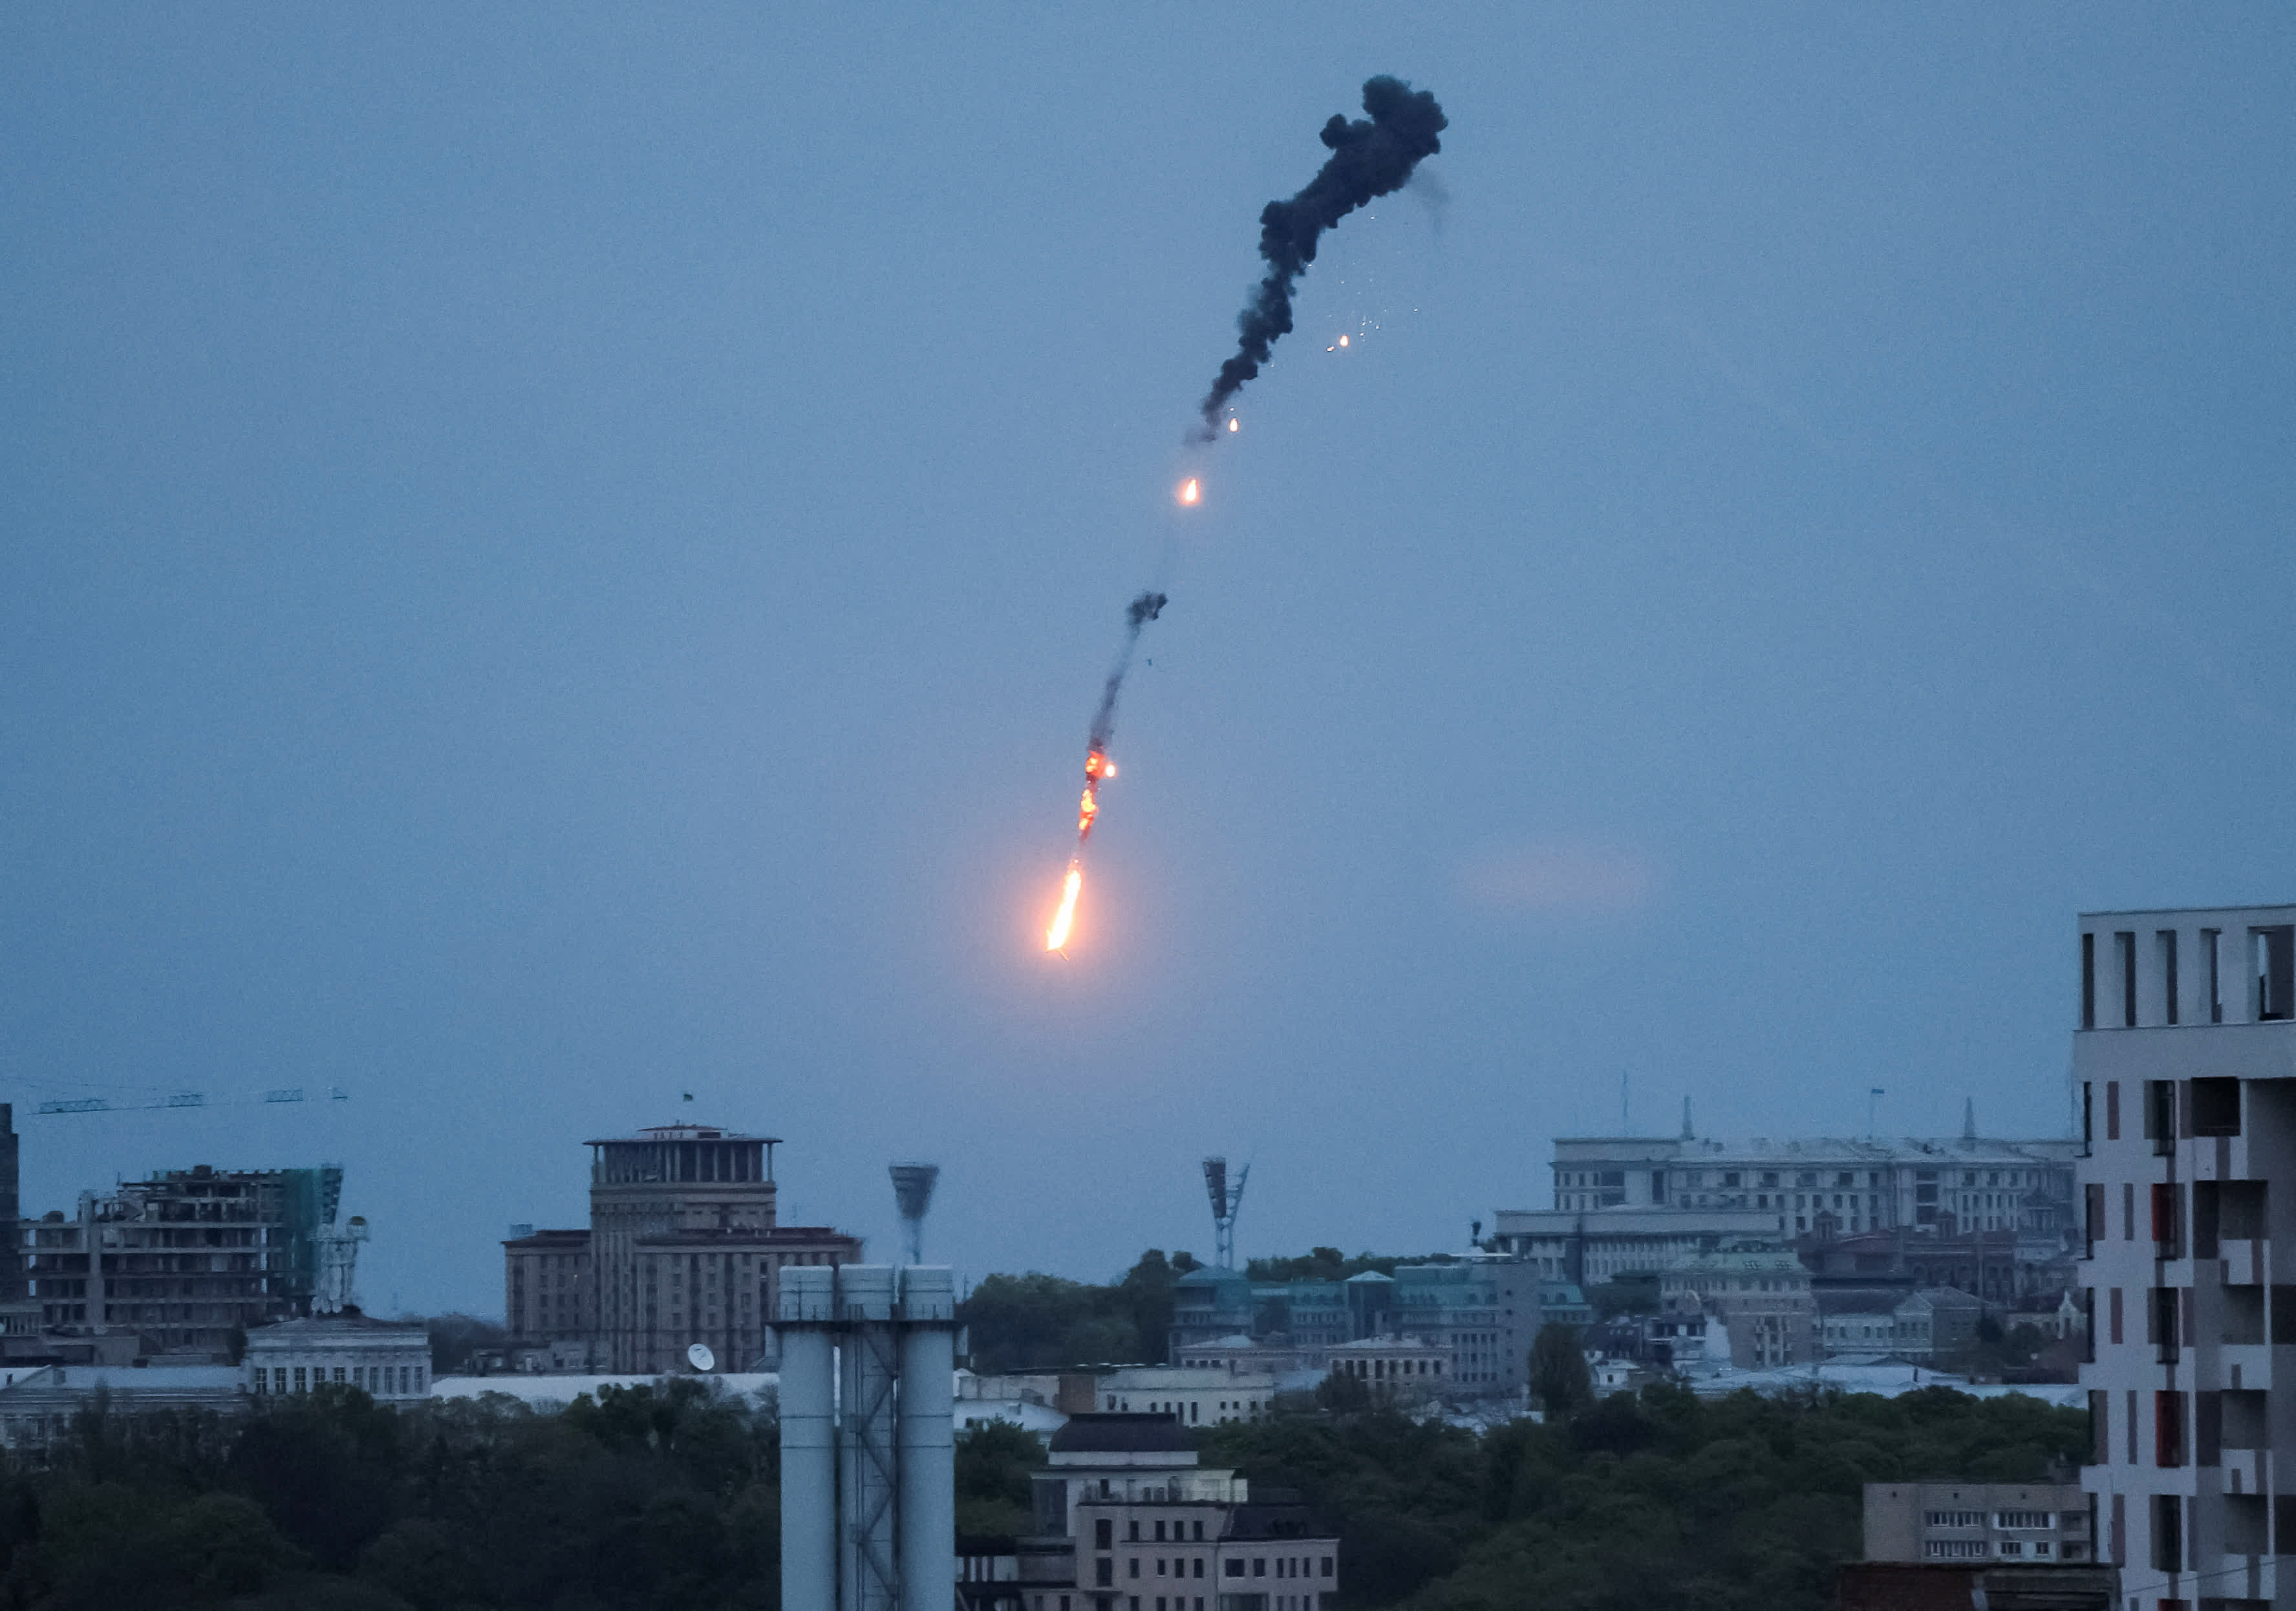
(1369,158)
(1137,615)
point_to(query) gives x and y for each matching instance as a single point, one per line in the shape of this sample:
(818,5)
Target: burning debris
(1368,160)
(1097,767)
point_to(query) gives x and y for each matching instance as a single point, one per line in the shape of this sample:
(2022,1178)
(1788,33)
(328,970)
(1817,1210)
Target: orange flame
(1190,491)
(1057,936)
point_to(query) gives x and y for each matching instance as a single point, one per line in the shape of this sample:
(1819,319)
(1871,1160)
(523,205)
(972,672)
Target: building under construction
(186,1259)
(684,1247)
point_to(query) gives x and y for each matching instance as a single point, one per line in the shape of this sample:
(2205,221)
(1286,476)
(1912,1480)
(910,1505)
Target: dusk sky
(558,559)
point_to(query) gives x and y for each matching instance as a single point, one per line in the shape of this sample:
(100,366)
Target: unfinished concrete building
(189,1257)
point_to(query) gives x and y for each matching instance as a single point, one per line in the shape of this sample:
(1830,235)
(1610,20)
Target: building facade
(1759,1297)
(1126,1520)
(2021,1522)
(1197,1396)
(389,1360)
(2184,1057)
(37,1407)
(1969,1183)
(684,1247)
(1587,1246)
(189,1258)
(1480,1313)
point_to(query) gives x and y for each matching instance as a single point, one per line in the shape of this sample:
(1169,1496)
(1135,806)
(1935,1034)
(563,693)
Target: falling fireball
(1057,936)
(1189,491)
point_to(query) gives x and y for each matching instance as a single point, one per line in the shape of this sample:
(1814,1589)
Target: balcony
(2245,1471)
(2247,1260)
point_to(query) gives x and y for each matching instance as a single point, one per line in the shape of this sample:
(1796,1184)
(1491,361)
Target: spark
(1190,491)
(1232,425)
(1057,936)
(1344,340)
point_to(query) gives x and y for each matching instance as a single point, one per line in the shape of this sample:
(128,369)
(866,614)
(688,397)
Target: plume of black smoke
(1369,158)
(1137,615)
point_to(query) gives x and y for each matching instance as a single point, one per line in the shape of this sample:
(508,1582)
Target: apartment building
(2021,1522)
(2185,1057)
(1127,1521)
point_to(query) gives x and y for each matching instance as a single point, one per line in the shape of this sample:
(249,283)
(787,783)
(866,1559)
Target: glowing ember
(1232,425)
(1189,491)
(1344,340)
(1057,936)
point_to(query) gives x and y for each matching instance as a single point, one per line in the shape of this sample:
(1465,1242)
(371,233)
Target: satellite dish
(700,1357)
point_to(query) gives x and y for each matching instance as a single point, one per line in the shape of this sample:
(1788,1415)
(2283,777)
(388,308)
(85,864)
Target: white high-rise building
(2185,1060)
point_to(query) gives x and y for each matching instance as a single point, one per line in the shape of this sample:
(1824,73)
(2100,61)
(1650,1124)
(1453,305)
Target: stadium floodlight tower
(913,1190)
(1227,1197)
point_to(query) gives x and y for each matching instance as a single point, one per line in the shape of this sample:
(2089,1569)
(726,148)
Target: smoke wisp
(1137,615)
(1370,158)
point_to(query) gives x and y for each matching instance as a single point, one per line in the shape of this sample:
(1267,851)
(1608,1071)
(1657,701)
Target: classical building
(2022,1522)
(1589,1247)
(2185,1065)
(1828,1185)
(389,1360)
(1193,1396)
(1929,1324)
(1397,1370)
(1760,1298)
(683,1247)
(36,1407)
(1480,1311)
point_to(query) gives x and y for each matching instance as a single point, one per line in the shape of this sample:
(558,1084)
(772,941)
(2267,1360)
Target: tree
(1559,1379)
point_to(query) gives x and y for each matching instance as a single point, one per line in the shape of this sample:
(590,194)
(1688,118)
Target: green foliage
(1041,1322)
(1559,1380)
(994,1460)
(642,1499)
(454,1337)
(1326,1264)
(1661,1501)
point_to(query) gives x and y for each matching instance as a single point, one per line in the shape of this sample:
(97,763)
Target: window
(1103,1533)
(1957,1518)
(2211,941)
(1235,1566)
(2124,945)
(2276,972)
(1954,1549)
(2168,1429)
(2088,982)
(2165,940)
(2024,1520)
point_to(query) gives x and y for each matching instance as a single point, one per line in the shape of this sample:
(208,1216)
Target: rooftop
(681,1132)
(1106,1433)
